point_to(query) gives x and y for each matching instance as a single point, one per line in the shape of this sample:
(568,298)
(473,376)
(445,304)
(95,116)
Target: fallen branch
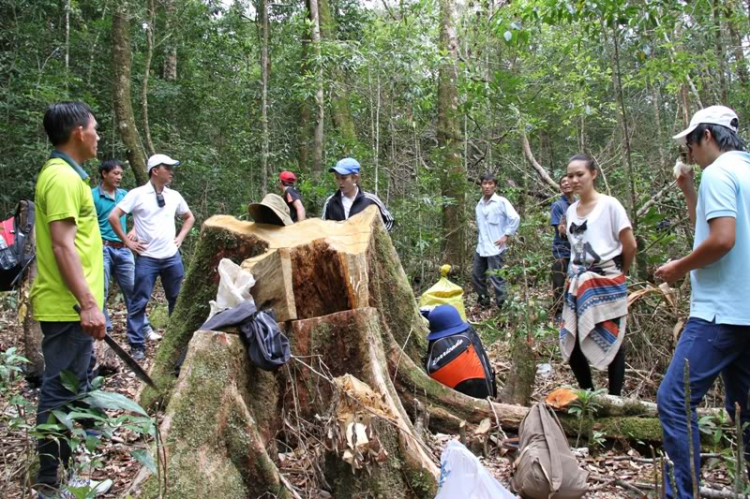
(645,206)
(540,170)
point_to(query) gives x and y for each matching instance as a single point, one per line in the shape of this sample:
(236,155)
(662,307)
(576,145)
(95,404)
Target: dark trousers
(582,371)
(559,273)
(147,269)
(711,349)
(65,348)
(479,277)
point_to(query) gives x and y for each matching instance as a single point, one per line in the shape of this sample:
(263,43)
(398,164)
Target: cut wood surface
(273,283)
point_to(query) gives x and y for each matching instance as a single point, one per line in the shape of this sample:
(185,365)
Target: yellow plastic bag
(444,292)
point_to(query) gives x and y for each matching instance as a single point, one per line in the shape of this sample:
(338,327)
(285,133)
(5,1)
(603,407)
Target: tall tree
(320,112)
(340,112)
(151,9)
(265,64)
(453,174)
(122,100)
(170,49)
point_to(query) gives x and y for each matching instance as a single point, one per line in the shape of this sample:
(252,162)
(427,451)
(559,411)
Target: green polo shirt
(104,204)
(63,193)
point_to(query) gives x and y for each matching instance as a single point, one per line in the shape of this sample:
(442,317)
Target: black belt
(113,244)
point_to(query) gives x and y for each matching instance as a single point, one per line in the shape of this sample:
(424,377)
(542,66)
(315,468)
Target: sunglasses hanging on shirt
(160,200)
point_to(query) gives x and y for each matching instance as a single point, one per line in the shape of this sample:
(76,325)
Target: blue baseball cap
(346,166)
(444,321)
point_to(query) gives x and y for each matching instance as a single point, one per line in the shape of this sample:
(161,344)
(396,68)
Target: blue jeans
(65,348)
(711,349)
(147,269)
(120,263)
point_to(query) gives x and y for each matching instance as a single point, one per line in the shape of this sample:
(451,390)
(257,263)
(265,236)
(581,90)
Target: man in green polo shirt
(70,272)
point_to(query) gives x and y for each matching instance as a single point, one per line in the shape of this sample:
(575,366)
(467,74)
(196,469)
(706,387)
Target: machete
(126,358)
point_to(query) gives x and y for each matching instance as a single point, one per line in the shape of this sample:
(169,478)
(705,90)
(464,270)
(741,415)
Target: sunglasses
(160,200)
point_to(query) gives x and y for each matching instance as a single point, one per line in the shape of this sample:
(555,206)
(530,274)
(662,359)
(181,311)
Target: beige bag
(546,467)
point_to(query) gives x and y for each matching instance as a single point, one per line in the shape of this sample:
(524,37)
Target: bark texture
(122,100)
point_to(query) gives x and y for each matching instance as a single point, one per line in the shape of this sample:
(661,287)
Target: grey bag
(546,468)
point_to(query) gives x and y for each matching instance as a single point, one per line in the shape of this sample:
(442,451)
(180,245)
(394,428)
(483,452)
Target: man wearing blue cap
(350,199)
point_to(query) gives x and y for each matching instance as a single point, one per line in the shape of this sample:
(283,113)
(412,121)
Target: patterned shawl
(595,309)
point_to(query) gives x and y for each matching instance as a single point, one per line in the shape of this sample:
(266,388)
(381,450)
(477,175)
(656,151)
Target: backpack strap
(555,472)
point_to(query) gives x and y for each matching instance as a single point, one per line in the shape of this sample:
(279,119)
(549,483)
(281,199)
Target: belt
(112,244)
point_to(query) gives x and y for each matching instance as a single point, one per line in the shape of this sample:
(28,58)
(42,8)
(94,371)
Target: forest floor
(615,469)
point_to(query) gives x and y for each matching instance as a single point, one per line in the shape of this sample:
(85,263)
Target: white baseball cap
(160,159)
(713,115)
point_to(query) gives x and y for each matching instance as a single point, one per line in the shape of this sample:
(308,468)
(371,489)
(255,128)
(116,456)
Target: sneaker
(138,353)
(98,487)
(152,335)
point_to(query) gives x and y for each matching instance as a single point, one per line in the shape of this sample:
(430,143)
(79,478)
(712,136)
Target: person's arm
(687,185)
(719,242)
(629,247)
(301,215)
(63,235)
(132,244)
(514,220)
(187,224)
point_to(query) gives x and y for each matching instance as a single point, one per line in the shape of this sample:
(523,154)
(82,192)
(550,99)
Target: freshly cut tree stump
(335,266)
(352,320)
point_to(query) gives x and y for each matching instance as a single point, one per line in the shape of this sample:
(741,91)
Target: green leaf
(107,400)
(69,381)
(144,457)
(64,419)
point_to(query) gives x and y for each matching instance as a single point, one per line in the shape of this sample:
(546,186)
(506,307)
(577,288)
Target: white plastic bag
(462,476)
(234,287)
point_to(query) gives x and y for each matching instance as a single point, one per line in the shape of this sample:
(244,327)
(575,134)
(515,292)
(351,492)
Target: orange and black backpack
(460,362)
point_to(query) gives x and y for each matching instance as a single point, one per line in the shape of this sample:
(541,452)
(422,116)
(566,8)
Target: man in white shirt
(497,221)
(154,207)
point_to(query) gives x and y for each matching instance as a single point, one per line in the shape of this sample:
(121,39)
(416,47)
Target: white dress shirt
(496,218)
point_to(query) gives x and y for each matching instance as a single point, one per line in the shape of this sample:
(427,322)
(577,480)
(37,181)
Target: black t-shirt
(290,196)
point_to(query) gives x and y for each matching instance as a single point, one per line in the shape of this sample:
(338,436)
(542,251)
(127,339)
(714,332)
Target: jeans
(559,273)
(120,263)
(147,269)
(479,276)
(711,349)
(65,348)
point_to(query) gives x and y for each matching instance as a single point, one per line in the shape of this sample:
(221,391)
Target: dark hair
(590,162)
(60,119)
(109,165)
(488,177)
(726,138)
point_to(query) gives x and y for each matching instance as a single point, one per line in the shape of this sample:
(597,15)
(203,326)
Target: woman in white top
(595,308)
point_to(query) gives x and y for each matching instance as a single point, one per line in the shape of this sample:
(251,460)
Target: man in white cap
(716,338)
(350,199)
(154,207)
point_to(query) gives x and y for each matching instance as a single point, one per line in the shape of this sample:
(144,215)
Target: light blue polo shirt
(720,290)
(104,206)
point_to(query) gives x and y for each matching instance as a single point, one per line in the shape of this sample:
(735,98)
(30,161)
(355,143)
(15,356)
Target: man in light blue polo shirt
(497,221)
(716,338)
(118,259)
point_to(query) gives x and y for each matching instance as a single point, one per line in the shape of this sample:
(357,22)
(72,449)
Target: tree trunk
(340,113)
(318,131)
(719,51)
(146,73)
(170,50)
(453,175)
(264,70)
(32,331)
(306,125)
(122,99)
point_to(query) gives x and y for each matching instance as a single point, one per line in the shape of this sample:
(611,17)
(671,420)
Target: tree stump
(352,320)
